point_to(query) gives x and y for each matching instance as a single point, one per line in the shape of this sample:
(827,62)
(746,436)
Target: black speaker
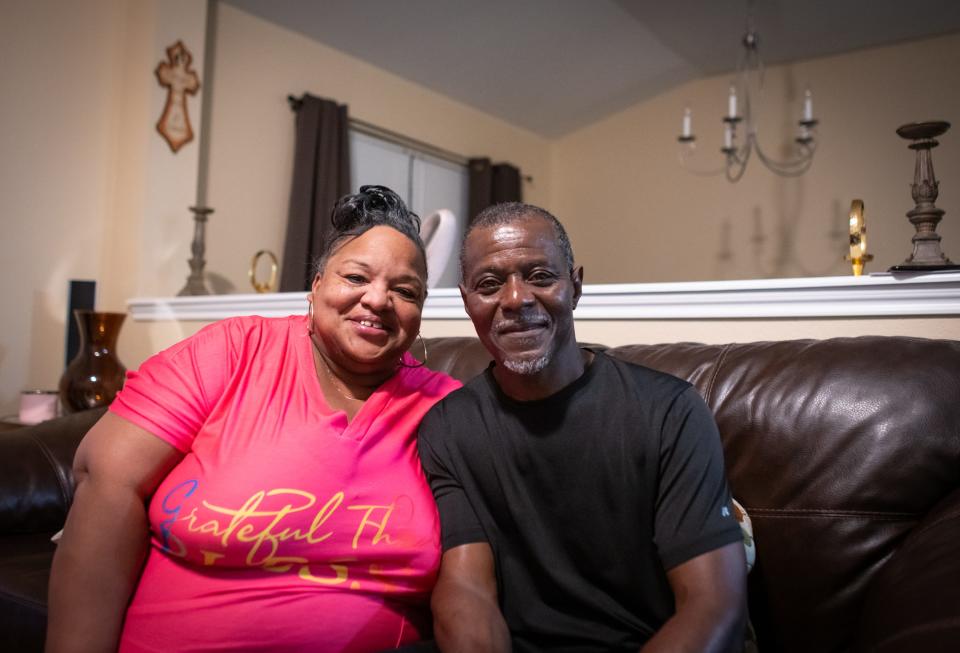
(83,296)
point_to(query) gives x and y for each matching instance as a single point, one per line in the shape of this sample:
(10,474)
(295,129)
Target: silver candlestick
(195,284)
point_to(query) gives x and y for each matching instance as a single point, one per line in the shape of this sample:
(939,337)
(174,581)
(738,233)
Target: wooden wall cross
(178,78)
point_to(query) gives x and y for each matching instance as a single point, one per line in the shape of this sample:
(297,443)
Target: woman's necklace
(334,381)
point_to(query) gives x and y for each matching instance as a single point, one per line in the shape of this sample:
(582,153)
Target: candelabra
(927,255)
(195,282)
(738,149)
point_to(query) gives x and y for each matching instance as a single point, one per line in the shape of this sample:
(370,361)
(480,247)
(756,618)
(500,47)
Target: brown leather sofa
(845,452)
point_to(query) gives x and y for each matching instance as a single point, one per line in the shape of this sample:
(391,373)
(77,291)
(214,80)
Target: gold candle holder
(271,282)
(858,256)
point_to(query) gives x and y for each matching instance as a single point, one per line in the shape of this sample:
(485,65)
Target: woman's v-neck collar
(352,429)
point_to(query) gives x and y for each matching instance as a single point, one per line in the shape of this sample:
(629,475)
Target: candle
(686,123)
(808,105)
(732,104)
(727,135)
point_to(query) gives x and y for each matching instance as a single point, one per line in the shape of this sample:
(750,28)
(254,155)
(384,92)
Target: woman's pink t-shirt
(284,528)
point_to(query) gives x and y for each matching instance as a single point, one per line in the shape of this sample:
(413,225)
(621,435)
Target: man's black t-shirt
(586,498)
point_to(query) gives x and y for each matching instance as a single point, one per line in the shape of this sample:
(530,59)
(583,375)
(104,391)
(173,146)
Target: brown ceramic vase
(95,375)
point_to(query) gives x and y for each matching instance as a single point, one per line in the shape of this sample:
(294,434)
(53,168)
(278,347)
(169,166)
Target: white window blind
(424,182)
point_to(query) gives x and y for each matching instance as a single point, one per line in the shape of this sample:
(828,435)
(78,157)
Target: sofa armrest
(914,602)
(36,479)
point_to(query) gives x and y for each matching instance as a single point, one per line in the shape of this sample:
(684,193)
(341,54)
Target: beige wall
(87,189)
(55,182)
(251,158)
(621,175)
(626,332)
(61,77)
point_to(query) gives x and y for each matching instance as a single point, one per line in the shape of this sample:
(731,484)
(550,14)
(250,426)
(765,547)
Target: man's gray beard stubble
(528,366)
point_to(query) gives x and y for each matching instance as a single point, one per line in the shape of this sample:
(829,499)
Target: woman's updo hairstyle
(374,206)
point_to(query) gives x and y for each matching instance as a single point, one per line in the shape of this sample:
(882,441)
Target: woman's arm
(466,616)
(99,559)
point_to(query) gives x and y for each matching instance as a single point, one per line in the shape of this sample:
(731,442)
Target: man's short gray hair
(509,213)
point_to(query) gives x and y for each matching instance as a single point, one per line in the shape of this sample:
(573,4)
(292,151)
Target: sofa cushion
(36,488)
(24,574)
(913,602)
(36,482)
(837,448)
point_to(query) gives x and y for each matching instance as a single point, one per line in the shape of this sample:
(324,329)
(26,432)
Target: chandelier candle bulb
(685,131)
(808,105)
(732,103)
(728,136)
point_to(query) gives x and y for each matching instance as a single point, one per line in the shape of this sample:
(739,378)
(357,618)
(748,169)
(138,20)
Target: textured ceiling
(552,66)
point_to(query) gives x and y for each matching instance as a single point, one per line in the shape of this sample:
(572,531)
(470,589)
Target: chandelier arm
(781,166)
(740,164)
(789,168)
(796,171)
(761,69)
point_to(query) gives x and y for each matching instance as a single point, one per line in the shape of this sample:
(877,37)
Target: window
(426,183)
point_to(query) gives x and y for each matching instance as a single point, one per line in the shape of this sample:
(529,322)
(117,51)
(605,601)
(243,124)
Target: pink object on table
(38,406)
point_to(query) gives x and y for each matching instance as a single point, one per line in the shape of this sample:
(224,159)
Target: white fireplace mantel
(877,295)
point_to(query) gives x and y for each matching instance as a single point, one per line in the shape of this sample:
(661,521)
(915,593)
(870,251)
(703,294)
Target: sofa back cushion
(837,448)
(36,481)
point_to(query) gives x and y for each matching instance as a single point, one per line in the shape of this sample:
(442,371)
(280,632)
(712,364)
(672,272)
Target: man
(583,500)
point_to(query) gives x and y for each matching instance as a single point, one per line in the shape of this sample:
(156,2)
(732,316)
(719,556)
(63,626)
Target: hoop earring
(423,343)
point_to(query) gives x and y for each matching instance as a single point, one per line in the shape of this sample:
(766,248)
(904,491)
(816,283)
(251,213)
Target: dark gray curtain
(321,175)
(492,184)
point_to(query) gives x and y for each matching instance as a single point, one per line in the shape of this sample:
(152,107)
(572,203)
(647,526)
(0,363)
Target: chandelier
(740,131)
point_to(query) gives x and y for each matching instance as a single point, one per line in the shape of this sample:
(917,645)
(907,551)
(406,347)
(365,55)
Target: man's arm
(466,616)
(466,613)
(711,608)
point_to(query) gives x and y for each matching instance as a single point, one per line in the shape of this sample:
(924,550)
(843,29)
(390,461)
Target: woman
(287,508)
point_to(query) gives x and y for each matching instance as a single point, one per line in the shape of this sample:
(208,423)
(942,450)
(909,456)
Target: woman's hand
(99,559)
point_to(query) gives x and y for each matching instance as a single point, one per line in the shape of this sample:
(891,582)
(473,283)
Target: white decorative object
(439,233)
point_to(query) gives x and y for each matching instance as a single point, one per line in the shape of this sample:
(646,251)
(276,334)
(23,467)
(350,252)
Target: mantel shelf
(878,295)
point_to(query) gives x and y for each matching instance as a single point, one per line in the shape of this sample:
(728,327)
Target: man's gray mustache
(519,325)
